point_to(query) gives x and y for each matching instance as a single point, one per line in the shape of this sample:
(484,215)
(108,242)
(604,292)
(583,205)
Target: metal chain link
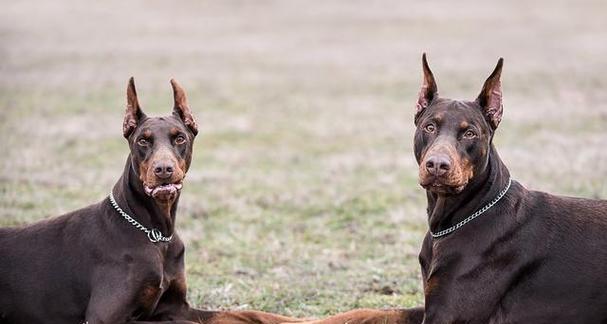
(475,215)
(154,235)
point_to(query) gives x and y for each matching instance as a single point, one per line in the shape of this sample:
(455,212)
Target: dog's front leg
(134,299)
(240,317)
(164,322)
(375,316)
(173,305)
(115,307)
(192,315)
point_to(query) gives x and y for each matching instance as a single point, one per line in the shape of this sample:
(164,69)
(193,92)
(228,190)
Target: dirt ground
(303,197)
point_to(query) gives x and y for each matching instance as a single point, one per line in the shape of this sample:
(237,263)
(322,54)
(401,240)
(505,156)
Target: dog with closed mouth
(495,251)
(120,260)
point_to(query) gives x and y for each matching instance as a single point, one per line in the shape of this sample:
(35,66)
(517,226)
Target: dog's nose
(438,165)
(163,170)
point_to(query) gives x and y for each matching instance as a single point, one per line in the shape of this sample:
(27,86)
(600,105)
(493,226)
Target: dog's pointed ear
(490,98)
(428,91)
(133,114)
(181,108)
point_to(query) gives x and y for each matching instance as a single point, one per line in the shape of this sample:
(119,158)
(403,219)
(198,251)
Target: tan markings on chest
(431,285)
(150,294)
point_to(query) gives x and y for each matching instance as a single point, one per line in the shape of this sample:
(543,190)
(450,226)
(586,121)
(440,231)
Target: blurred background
(302,198)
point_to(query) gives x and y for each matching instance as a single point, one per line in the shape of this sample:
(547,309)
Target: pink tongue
(168,189)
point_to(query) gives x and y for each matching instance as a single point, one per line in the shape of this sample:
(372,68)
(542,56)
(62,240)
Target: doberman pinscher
(120,260)
(495,251)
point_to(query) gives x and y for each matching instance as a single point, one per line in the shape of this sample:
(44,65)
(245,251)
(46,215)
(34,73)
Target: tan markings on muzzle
(461,170)
(143,170)
(146,168)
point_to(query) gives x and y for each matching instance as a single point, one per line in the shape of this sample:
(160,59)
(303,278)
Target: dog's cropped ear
(133,114)
(428,91)
(181,108)
(490,98)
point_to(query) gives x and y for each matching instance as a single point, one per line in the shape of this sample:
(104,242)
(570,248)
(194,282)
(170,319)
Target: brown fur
(531,258)
(146,170)
(374,316)
(92,266)
(462,170)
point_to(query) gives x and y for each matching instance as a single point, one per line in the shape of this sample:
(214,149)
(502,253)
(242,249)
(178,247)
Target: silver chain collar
(154,235)
(475,215)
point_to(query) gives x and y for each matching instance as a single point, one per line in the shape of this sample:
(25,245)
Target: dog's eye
(469,134)
(430,128)
(179,139)
(143,142)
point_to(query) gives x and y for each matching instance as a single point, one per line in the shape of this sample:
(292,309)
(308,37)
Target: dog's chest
(461,282)
(150,295)
(152,289)
(168,269)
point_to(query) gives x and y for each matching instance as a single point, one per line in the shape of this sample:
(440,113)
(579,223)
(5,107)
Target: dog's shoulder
(566,207)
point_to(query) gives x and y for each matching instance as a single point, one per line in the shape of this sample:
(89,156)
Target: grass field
(302,198)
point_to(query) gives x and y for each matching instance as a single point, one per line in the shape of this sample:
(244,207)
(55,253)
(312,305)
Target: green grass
(302,197)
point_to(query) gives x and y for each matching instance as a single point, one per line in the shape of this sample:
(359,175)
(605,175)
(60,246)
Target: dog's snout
(164,169)
(438,165)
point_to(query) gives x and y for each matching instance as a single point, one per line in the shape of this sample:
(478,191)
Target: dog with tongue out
(161,147)
(120,260)
(164,192)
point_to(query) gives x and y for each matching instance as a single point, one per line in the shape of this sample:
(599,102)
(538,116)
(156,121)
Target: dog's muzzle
(163,191)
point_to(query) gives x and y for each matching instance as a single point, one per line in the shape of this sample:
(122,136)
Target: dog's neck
(447,210)
(131,197)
